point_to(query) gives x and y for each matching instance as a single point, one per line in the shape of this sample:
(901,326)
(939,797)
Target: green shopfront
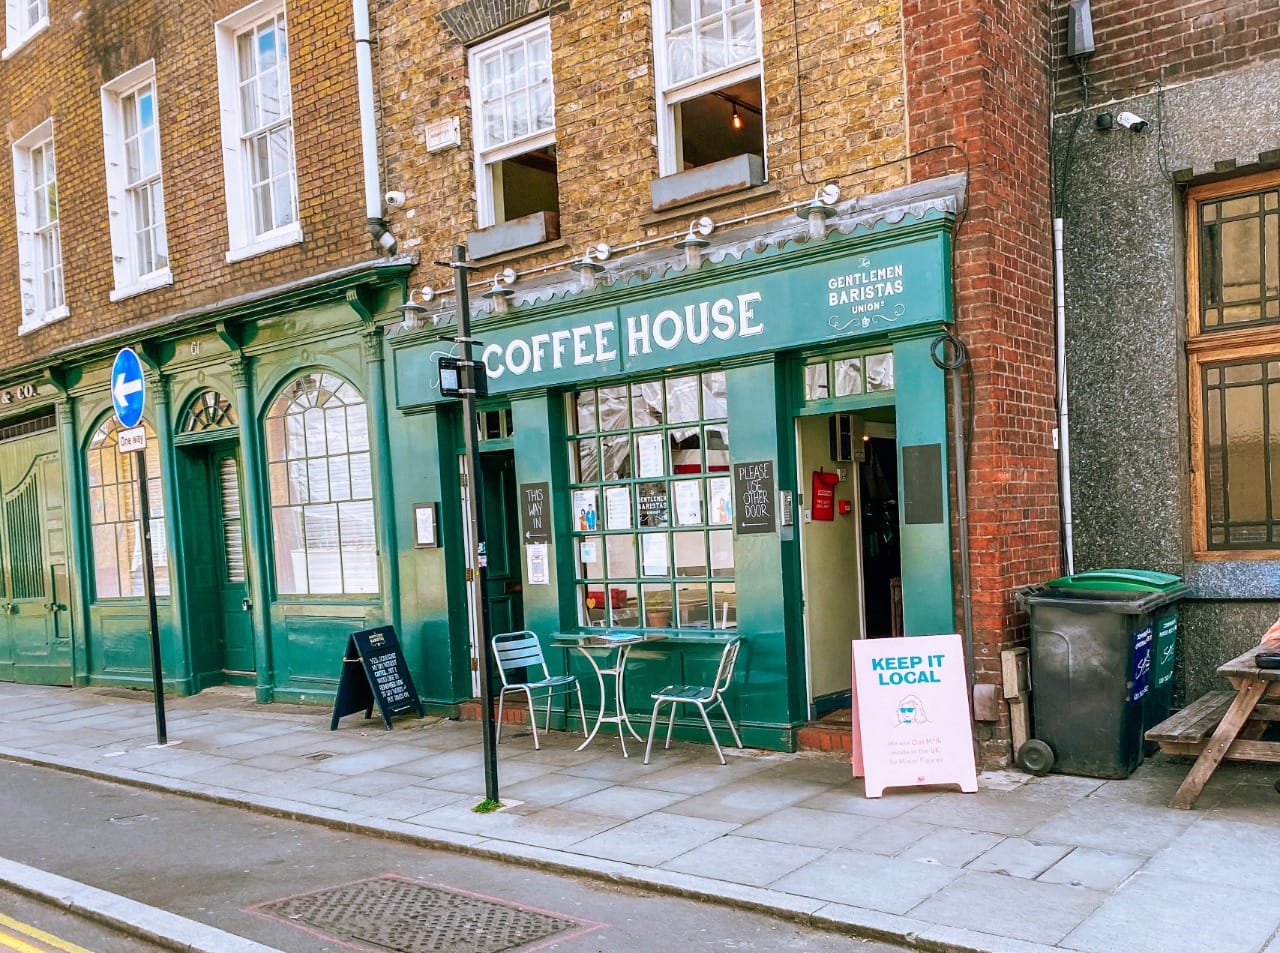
(753,444)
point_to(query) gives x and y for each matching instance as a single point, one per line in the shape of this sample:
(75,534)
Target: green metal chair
(701,697)
(520,654)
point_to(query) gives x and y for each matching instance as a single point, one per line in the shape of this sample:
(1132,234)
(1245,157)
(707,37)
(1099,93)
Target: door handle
(55,607)
(9,608)
(246,604)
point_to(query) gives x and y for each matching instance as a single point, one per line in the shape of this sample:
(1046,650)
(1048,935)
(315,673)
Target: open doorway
(850,554)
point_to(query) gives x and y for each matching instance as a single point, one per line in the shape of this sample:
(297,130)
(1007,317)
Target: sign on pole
(128,397)
(128,388)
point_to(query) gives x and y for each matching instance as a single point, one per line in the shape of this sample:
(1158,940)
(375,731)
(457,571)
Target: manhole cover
(405,916)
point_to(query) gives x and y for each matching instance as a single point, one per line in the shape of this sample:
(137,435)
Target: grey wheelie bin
(1102,647)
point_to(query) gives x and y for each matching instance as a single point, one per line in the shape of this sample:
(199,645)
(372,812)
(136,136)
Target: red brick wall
(1138,40)
(59,73)
(978,93)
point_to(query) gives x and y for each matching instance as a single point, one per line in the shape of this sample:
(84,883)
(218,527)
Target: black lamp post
(466,379)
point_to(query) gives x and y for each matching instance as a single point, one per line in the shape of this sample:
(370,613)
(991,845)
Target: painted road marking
(16,943)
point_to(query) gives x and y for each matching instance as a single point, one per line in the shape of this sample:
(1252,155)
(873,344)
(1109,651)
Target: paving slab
(888,884)
(1010,906)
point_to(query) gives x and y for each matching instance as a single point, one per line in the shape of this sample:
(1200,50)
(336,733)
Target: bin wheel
(1035,757)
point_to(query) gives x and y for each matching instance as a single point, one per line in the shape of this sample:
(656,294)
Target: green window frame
(652,504)
(320,487)
(113,515)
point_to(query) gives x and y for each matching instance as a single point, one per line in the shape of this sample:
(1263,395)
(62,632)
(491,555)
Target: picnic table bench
(1224,725)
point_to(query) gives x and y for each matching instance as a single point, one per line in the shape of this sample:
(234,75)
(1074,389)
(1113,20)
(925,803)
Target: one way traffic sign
(128,390)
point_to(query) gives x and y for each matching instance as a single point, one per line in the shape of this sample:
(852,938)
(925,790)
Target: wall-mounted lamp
(696,239)
(822,208)
(414,313)
(589,265)
(500,294)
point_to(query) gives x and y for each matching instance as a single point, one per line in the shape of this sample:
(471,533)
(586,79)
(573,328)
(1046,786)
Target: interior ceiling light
(735,120)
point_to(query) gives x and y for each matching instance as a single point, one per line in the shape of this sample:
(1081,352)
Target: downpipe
(377,225)
(1063,441)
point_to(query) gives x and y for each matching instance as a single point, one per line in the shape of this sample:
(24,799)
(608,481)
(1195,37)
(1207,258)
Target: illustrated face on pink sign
(912,701)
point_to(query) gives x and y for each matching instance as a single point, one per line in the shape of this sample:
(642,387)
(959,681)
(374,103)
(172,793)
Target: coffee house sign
(753,310)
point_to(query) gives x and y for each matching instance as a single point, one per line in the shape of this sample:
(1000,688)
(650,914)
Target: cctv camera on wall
(1132,122)
(394,199)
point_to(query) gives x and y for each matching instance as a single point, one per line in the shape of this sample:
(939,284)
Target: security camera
(1132,122)
(396,199)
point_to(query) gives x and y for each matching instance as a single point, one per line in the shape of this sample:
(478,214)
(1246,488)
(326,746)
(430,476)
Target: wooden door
(233,588)
(35,638)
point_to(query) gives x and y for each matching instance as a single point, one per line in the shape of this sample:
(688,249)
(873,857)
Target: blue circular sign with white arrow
(128,388)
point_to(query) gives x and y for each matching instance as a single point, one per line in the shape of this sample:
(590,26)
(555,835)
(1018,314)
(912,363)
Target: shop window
(114,515)
(1234,346)
(849,376)
(321,489)
(513,105)
(652,504)
(709,93)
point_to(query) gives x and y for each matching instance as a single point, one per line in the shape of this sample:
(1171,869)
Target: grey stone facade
(1122,198)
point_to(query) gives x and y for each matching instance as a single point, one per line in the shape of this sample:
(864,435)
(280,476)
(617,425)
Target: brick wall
(59,74)
(978,88)
(1141,45)
(852,122)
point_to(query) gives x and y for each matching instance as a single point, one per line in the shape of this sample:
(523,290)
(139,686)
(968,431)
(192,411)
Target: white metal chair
(520,654)
(700,696)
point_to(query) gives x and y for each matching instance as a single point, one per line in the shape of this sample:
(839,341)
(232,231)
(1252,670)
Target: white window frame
(670,92)
(20,26)
(245,241)
(125,259)
(36,311)
(486,157)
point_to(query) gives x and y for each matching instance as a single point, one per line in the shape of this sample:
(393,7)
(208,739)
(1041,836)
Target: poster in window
(649,462)
(653,554)
(653,505)
(688,495)
(617,505)
(720,502)
(586,518)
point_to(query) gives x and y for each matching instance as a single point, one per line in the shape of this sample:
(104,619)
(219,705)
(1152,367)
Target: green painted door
(35,637)
(213,565)
(233,590)
(502,541)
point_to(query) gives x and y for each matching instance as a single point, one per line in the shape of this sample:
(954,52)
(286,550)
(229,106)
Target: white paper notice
(653,552)
(617,505)
(585,518)
(536,560)
(688,495)
(649,454)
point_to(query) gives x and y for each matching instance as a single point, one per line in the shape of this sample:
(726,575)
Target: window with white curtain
(321,488)
(35,181)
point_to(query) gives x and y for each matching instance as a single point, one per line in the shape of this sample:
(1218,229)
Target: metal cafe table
(607,653)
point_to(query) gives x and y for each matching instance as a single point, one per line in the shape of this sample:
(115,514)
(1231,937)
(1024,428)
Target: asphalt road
(306,889)
(29,915)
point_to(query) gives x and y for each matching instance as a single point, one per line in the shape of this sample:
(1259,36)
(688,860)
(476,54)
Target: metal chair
(702,697)
(521,651)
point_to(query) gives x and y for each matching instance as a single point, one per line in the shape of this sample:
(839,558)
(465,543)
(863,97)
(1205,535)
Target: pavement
(1025,865)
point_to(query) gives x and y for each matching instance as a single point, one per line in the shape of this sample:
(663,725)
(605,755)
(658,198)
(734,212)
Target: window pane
(879,372)
(848,374)
(321,488)
(815,382)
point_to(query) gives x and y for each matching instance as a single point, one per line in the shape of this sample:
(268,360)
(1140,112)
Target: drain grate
(404,916)
(318,756)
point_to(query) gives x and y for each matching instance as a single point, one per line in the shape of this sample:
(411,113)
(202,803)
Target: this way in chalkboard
(374,671)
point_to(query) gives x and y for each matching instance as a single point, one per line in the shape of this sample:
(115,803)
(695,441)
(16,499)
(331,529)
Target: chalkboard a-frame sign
(374,671)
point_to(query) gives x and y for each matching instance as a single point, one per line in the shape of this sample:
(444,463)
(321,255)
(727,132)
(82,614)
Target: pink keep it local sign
(911,713)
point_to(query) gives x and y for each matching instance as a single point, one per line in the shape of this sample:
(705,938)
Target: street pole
(149,580)
(475,513)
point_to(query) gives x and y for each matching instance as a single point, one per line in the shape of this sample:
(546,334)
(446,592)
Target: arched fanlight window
(321,488)
(207,411)
(113,514)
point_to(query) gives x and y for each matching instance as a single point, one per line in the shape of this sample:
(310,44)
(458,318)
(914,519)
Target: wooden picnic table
(1224,725)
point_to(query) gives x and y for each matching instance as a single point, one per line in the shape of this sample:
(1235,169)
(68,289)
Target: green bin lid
(1116,580)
